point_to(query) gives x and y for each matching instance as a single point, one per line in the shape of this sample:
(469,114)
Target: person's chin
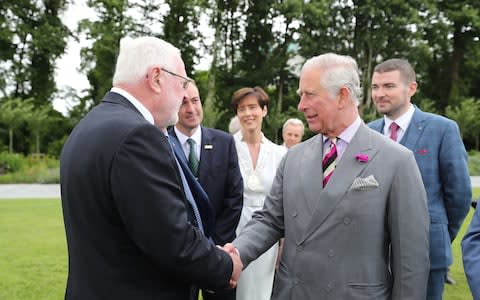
(383,108)
(173,120)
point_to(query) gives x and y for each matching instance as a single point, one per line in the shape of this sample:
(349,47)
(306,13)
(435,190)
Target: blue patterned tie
(188,193)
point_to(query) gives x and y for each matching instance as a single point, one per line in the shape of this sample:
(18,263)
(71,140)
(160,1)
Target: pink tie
(393,131)
(328,163)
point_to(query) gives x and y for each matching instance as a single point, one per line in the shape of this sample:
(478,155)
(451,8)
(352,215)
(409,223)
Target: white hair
(339,71)
(293,121)
(234,125)
(136,55)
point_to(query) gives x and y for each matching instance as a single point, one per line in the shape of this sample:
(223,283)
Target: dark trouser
(219,295)
(436,282)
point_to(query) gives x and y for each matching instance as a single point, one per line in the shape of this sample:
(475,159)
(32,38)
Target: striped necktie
(329,161)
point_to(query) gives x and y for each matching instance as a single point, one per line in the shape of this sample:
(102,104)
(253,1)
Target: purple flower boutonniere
(363,158)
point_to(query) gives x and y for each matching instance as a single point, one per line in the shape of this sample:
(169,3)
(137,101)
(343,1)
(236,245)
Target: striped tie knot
(329,161)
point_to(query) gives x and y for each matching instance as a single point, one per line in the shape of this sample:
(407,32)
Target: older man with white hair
(292,132)
(349,202)
(133,229)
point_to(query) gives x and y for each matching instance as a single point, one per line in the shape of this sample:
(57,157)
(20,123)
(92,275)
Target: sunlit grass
(33,255)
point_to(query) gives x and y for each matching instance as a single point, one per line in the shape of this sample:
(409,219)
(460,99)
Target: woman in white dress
(258,159)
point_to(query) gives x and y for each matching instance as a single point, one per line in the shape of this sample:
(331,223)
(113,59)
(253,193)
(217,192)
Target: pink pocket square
(422,151)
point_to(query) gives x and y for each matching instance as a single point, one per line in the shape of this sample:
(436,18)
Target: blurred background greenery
(247,43)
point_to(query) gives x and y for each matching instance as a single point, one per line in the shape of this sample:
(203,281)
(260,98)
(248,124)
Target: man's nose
(301,104)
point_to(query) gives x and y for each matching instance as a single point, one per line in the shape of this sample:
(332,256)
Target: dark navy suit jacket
(442,160)
(125,213)
(220,177)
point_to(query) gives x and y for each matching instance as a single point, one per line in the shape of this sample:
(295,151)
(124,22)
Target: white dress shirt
(403,121)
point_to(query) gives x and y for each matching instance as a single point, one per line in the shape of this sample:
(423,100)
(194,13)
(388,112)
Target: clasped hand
(237,263)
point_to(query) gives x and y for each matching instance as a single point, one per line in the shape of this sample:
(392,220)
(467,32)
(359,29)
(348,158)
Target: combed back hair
(339,71)
(136,55)
(257,92)
(407,73)
(293,121)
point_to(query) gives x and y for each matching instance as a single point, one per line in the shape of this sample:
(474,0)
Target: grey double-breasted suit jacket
(363,236)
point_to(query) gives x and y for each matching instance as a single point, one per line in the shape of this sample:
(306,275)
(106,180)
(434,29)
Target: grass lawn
(33,256)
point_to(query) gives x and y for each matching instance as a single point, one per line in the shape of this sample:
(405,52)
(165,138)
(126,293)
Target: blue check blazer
(442,160)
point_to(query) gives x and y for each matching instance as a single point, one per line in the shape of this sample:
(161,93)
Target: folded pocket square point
(364,183)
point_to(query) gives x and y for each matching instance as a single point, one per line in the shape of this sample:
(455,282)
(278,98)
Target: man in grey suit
(360,232)
(440,155)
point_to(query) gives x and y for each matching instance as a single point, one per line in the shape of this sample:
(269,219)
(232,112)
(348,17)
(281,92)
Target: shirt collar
(138,105)
(349,132)
(403,121)
(196,136)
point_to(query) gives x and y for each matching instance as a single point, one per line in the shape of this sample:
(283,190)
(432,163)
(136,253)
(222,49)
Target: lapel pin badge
(208,147)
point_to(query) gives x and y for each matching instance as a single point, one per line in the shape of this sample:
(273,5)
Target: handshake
(237,263)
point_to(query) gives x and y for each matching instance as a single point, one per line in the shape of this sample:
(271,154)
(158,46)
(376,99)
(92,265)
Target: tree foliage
(13,113)
(32,37)
(247,43)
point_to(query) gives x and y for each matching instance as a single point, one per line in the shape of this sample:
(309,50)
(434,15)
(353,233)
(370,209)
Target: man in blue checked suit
(440,155)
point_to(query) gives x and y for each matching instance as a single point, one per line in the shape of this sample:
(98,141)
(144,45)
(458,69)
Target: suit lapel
(414,130)
(199,195)
(206,153)
(346,171)
(177,147)
(311,162)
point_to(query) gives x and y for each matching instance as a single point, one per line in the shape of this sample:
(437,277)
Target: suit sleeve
(227,220)
(471,255)
(147,193)
(408,224)
(457,190)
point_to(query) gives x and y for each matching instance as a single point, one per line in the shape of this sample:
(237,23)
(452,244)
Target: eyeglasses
(185,80)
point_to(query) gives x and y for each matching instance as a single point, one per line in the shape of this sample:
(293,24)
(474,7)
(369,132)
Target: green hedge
(474,163)
(34,168)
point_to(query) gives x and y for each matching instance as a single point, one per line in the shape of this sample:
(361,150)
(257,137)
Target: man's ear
(344,96)
(264,111)
(154,78)
(412,88)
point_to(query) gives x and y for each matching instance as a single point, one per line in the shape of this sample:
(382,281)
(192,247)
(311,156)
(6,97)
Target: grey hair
(136,55)
(293,121)
(339,71)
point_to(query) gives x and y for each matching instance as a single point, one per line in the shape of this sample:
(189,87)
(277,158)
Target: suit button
(296,281)
(294,214)
(299,248)
(331,253)
(346,220)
